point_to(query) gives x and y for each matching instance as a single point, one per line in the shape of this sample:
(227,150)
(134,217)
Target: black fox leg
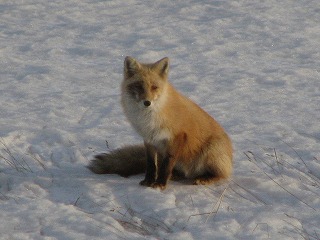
(151,167)
(169,161)
(164,172)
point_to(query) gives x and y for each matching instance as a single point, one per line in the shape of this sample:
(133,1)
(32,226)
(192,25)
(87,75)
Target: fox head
(145,83)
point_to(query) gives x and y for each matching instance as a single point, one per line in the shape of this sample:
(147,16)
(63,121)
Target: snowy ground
(253,65)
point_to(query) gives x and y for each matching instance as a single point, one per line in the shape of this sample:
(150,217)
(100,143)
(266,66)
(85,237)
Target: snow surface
(253,65)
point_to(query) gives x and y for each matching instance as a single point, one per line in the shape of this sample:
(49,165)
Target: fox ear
(130,66)
(162,66)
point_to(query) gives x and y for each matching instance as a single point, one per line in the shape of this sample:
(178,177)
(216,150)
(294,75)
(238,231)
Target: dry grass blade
(302,232)
(215,207)
(309,171)
(217,204)
(260,224)
(314,181)
(133,227)
(3,197)
(147,225)
(248,191)
(316,236)
(286,190)
(10,159)
(38,160)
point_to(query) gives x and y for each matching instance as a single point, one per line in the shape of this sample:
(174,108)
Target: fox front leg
(151,166)
(169,161)
(164,172)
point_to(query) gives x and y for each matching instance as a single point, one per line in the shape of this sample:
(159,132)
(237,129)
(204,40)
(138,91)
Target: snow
(253,65)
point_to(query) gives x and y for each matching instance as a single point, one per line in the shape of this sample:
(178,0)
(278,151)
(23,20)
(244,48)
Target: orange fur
(178,134)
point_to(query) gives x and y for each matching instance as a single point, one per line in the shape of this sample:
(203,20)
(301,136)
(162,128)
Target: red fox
(178,135)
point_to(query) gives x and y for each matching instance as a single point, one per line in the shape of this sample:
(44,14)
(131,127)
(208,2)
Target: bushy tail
(126,161)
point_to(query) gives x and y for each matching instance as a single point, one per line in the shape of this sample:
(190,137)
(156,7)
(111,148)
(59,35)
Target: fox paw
(160,186)
(152,184)
(146,183)
(200,182)
(206,180)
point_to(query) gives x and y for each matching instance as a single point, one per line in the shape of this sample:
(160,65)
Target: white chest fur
(147,121)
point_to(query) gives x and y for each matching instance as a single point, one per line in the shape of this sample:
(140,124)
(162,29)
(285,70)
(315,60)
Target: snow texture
(253,65)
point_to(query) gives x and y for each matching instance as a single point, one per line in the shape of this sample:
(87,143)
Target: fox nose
(147,103)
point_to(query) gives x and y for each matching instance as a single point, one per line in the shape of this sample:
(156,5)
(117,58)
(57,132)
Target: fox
(179,138)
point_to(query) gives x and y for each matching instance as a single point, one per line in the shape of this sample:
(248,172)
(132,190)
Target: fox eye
(135,88)
(138,88)
(154,87)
